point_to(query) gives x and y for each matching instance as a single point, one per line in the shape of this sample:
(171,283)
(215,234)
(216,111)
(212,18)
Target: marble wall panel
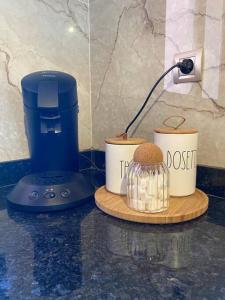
(132,43)
(37,35)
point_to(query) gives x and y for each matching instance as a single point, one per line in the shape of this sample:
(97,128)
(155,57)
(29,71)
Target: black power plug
(186,66)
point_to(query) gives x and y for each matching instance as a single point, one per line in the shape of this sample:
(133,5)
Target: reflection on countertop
(84,254)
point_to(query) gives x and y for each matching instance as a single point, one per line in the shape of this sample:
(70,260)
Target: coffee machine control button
(34,195)
(65,193)
(49,195)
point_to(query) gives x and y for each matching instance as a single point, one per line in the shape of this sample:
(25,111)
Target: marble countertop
(84,254)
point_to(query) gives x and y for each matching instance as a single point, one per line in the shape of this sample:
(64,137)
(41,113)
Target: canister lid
(170,130)
(128,141)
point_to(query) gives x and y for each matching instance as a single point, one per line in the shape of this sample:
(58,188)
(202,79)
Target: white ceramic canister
(179,147)
(118,154)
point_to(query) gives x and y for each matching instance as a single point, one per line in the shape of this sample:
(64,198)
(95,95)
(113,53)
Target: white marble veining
(37,35)
(132,43)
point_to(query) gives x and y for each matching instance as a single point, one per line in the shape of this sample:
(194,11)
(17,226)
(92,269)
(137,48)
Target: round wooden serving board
(181,209)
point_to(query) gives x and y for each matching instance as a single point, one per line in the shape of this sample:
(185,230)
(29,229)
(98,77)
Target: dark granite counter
(84,254)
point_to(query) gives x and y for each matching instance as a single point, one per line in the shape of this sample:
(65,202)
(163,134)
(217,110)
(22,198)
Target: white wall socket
(195,75)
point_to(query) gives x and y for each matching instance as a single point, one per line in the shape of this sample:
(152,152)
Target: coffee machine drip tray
(49,191)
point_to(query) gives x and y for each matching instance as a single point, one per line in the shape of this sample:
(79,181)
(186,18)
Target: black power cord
(186,66)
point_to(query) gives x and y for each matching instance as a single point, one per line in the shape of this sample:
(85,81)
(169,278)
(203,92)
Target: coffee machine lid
(49,89)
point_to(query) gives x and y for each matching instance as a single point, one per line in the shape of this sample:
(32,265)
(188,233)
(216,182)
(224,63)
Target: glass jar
(148,187)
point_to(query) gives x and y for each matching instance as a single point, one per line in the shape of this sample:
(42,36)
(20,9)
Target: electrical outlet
(195,75)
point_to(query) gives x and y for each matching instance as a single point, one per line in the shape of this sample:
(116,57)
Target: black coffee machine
(51,123)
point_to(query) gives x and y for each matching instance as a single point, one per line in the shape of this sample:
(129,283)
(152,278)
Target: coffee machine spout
(50,125)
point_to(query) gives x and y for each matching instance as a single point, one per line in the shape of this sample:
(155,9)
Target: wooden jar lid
(148,154)
(121,141)
(170,130)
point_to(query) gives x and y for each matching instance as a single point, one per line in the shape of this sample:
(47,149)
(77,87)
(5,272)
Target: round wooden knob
(147,154)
